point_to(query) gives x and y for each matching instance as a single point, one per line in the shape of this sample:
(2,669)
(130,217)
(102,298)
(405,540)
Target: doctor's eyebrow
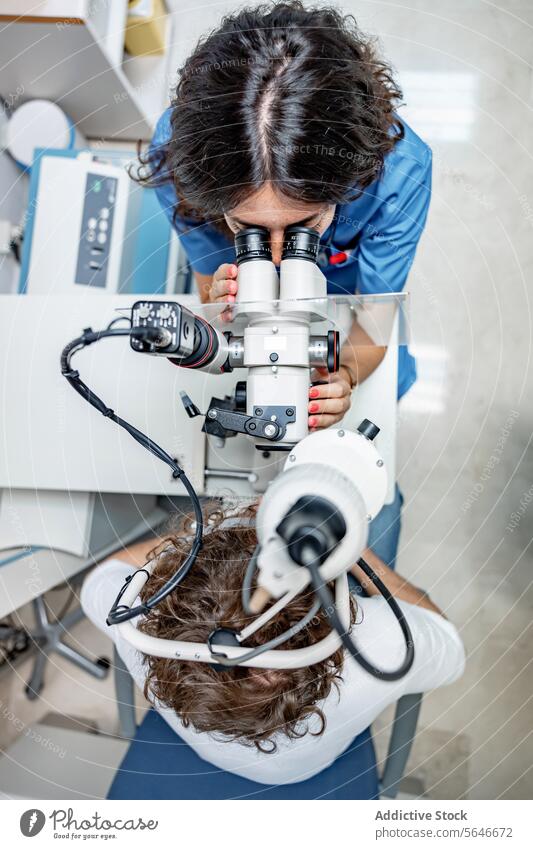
(303,223)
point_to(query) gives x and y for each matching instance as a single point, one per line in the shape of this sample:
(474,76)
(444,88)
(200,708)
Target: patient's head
(246,704)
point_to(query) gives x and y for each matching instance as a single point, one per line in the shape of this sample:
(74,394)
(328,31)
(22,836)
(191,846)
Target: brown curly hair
(282,93)
(250,705)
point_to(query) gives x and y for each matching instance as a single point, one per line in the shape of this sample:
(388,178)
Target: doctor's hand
(223,287)
(330,400)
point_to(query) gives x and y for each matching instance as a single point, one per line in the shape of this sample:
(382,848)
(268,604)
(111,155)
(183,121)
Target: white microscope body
(278,347)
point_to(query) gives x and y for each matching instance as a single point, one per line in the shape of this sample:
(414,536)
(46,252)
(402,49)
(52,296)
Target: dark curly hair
(250,705)
(278,93)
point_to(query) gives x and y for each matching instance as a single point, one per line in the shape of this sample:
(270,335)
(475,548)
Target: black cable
(273,643)
(328,605)
(117,319)
(120,613)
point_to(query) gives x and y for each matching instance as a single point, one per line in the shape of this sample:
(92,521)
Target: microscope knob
(240,396)
(368,429)
(334,350)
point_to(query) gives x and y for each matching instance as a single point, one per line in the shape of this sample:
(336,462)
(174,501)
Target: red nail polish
(313,408)
(312,422)
(313,393)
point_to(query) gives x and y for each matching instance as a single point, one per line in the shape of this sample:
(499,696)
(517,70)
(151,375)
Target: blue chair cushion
(159,765)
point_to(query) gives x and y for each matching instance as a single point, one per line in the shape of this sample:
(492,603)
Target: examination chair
(159,765)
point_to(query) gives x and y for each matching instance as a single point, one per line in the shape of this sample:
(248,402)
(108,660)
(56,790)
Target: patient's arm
(137,553)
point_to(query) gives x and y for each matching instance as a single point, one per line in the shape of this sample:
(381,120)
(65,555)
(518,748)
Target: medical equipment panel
(96,232)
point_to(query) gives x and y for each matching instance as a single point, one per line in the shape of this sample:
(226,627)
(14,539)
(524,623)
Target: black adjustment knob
(368,429)
(334,350)
(240,396)
(224,637)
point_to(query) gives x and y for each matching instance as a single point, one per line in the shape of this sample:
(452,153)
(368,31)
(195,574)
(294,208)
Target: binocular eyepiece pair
(298,243)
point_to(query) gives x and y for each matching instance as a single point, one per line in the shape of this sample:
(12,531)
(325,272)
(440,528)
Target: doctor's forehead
(268,208)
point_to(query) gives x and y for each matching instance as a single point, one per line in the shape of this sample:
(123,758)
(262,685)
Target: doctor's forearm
(361,361)
(359,355)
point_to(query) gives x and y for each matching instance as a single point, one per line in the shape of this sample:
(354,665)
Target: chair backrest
(159,765)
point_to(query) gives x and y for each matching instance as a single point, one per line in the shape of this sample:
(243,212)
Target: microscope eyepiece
(252,243)
(300,243)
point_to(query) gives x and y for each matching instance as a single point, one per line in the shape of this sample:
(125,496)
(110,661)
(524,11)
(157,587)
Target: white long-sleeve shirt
(439,660)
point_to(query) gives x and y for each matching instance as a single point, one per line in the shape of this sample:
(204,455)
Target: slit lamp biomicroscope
(312,522)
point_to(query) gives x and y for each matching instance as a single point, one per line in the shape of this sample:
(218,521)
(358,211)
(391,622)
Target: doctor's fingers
(336,387)
(225,271)
(223,290)
(333,406)
(224,285)
(318,422)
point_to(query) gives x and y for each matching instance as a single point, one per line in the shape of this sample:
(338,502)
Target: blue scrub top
(379,231)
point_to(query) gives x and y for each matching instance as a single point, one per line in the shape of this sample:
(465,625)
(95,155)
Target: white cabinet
(72,53)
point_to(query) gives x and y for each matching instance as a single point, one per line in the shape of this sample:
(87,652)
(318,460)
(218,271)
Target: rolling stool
(46,637)
(159,765)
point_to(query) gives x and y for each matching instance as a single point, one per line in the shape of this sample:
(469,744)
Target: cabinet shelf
(73,53)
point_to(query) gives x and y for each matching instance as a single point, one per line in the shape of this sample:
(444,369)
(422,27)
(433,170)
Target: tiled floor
(465,461)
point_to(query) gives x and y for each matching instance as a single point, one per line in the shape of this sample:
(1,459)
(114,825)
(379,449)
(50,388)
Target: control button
(103,225)
(144,312)
(104,212)
(274,357)
(91,224)
(90,236)
(102,238)
(368,429)
(164,312)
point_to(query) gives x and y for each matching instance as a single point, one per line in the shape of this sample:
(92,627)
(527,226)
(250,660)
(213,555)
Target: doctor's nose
(276,246)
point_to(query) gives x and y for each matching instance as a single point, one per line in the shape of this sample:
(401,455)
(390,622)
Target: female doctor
(285,115)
